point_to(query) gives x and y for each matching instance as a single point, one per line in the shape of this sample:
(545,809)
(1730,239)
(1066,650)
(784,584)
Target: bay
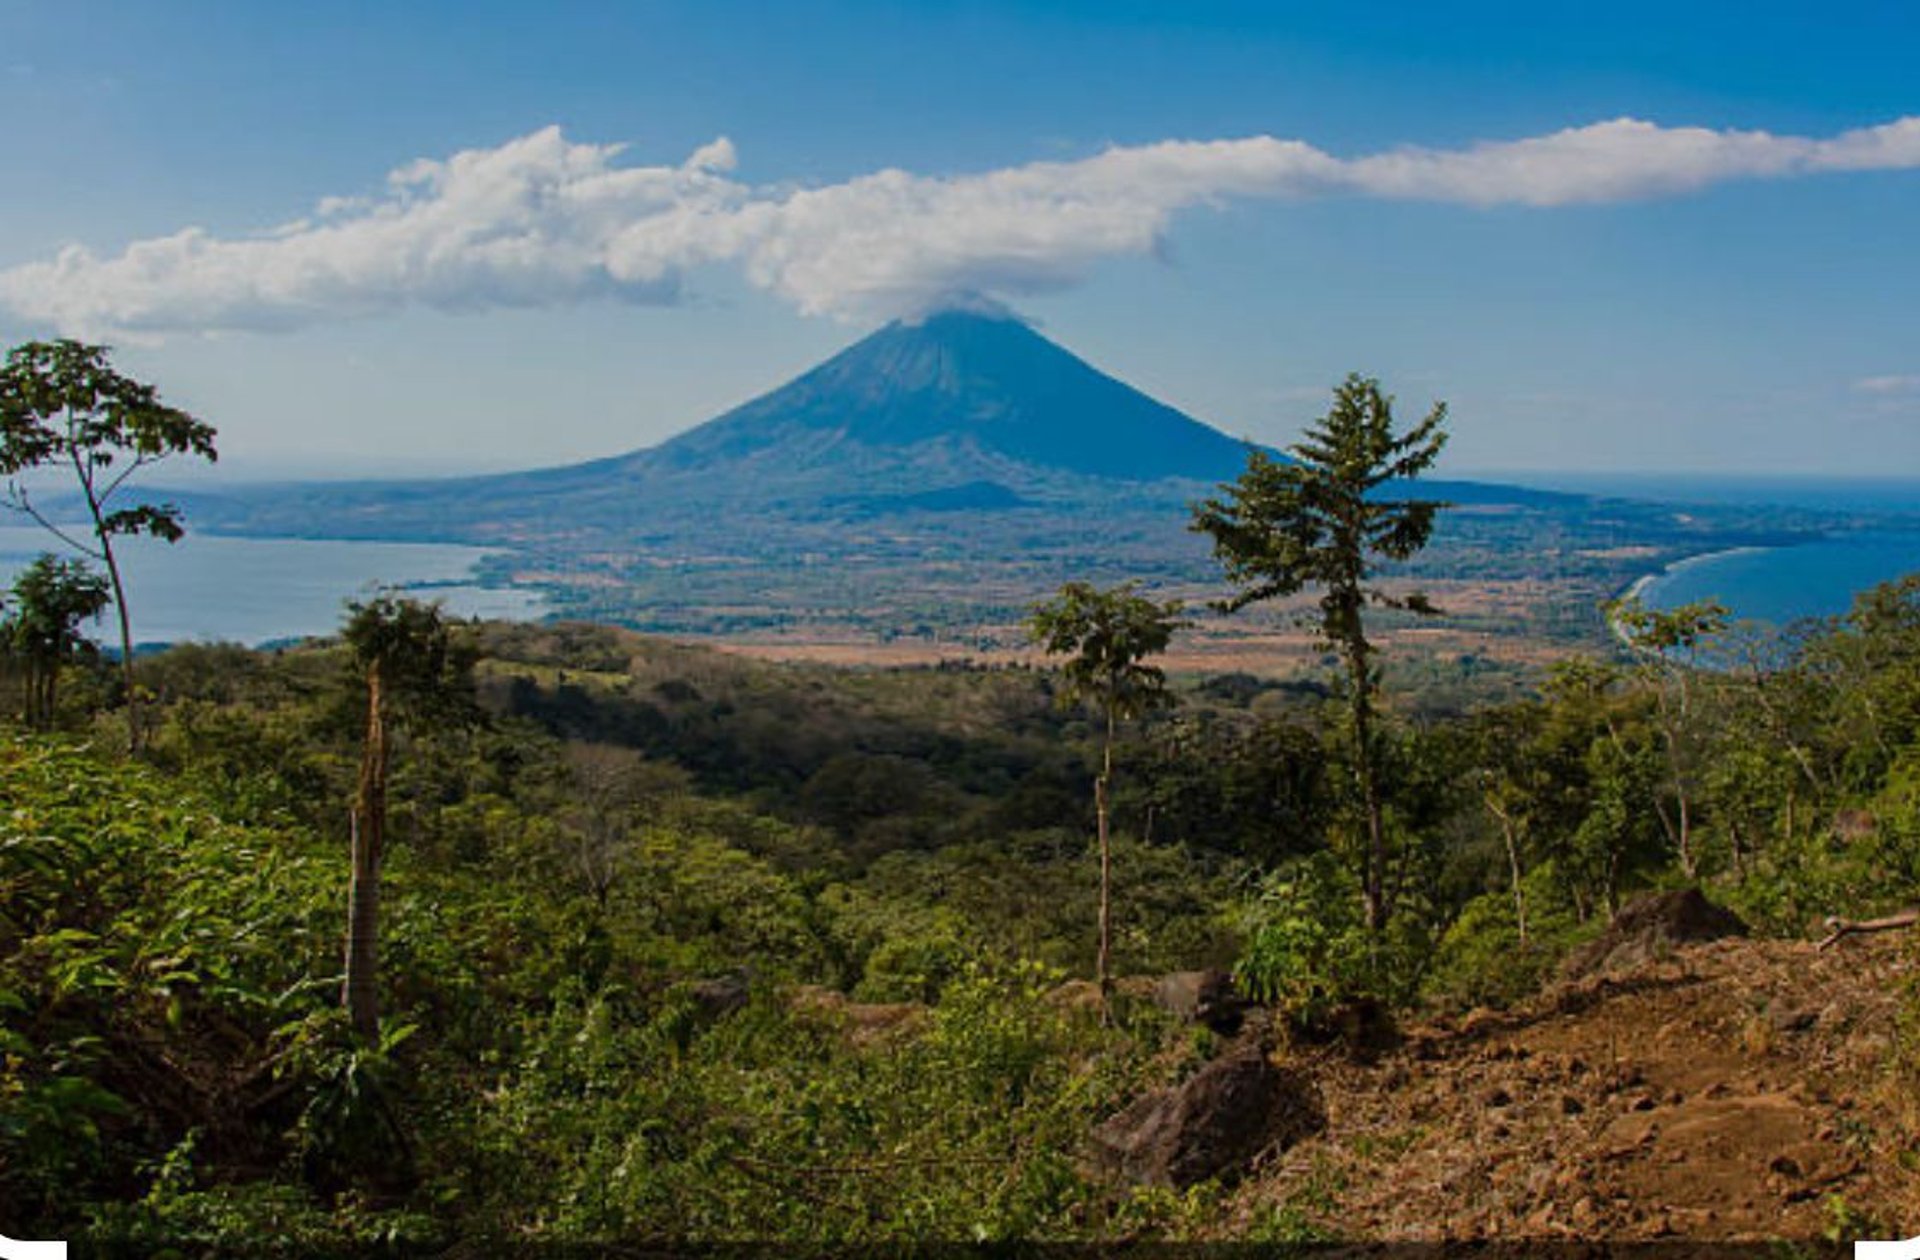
(209,588)
(1781,585)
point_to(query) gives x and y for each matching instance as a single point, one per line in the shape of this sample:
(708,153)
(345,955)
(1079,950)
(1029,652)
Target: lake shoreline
(1781,583)
(234,588)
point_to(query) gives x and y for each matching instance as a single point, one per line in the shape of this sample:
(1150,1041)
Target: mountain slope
(960,414)
(978,385)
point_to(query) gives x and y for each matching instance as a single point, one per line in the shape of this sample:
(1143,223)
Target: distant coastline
(217,587)
(1783,584)
(1637,589)
(1646,581)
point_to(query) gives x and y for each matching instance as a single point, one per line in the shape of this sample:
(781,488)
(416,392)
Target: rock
(1202,997)
(1649,926)
(1791,1020)
(864,1023)
(1082,996)
(720,996)
(1213,1124)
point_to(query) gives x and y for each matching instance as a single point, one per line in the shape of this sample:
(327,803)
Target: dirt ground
(1735,1090)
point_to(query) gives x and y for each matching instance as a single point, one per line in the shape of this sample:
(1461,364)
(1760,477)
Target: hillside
(679,946)
(1736,1090)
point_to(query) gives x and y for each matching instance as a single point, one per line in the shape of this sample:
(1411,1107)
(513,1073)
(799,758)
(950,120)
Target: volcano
(959,391)
(958,412)
(955,431)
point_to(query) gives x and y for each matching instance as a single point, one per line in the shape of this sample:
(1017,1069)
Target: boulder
(1202,997)
(1213,1124)
(1650,926)
(863,1022)
(717,997)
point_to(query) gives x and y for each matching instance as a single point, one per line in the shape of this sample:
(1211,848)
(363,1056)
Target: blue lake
(256,590)
(1784,584)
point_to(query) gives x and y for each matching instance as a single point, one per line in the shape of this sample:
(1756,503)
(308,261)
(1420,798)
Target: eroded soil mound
(1649,928)
(1732,1090)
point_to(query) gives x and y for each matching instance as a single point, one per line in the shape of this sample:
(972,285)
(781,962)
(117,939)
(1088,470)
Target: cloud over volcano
(542,221)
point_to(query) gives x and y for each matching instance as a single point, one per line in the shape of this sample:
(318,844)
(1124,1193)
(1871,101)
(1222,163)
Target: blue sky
(1730,284)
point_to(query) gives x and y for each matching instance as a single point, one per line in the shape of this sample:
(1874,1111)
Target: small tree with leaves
(1666,644)
(50,599)
(416,673)
(63,404)
(1106,637)
(1323,520)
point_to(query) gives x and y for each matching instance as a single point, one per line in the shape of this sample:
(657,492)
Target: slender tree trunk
(126,643)
(1782,729)
(1671,726)
(1513,863)
(1374,874)
(367,828)
(1103,962)
(105,539)
(35,695)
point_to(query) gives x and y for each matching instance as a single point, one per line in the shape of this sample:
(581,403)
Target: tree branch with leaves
(63,404)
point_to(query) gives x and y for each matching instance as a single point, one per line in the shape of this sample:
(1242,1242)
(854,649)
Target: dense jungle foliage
(676,944)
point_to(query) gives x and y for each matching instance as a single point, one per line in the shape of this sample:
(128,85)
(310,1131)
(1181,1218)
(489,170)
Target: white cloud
(542,221)
(1888,385)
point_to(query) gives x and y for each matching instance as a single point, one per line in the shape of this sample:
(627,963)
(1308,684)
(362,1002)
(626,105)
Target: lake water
(258,590)
(1774,584)
(1785,584)
(1831,494)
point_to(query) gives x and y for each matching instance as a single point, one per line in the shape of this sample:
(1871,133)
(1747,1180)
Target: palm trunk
(367,828)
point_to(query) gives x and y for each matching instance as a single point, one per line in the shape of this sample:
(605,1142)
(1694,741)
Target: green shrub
(1308,951)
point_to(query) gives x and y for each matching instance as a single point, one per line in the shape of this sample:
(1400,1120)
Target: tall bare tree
(416,673)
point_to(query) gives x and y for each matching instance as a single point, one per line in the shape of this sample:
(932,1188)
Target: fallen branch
(1838,927)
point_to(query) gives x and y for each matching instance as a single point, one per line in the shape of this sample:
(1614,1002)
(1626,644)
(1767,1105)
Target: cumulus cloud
(542,220)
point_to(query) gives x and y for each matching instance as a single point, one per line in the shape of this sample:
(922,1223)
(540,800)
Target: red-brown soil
(1731,1090)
